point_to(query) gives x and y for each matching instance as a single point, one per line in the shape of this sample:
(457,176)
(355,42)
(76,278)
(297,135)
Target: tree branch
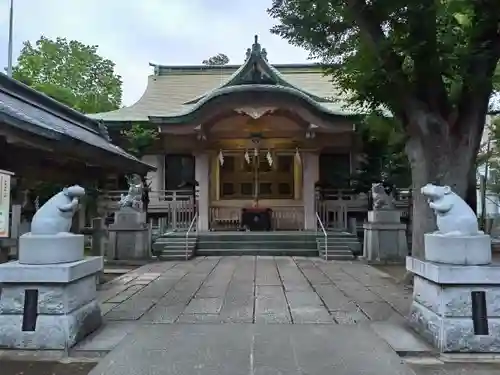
(484,53)
(430,86)
(373,34)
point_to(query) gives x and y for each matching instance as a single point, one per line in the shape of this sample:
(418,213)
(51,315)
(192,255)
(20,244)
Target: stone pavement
(252,315)
(252,289)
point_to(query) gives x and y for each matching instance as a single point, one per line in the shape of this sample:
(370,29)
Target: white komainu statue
(56,215)
(381,200)
(454,216)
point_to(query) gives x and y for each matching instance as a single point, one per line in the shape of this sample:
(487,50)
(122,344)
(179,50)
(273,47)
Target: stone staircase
(172,246)
(257,243)
(341,246)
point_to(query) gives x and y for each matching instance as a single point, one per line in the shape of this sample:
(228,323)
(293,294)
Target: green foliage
(70,72)
(139,138)
(217,60)
(385,52)
(383,154)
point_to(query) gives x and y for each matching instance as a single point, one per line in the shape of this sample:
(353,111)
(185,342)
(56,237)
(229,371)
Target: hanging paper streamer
(221,158)
(297,155)
(247,157)
(269,158)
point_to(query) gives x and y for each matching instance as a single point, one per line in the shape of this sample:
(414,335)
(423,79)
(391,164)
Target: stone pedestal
(129,237)
(443,310)
(385,237)
(463,250)
(48,306)
(50,249)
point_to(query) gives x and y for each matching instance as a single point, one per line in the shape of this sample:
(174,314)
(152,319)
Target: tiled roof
(31,111)
(167,94)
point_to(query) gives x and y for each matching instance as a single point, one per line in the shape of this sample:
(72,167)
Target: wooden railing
(176,209)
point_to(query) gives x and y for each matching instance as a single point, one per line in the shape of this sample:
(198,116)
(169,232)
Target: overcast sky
(133,33)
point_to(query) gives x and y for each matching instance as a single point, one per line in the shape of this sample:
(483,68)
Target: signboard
(4,203)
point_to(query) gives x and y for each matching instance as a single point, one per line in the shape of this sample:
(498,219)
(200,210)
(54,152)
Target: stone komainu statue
(381,200)
(56,215)
(454,217)
(133,199)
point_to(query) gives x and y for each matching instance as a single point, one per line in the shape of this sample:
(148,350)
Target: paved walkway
(255,290)
(250,315)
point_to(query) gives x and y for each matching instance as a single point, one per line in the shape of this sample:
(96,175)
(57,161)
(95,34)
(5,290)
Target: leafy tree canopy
(139,139)
(217,60)
(70,72)
(389,52)
(382,158)
(430,63)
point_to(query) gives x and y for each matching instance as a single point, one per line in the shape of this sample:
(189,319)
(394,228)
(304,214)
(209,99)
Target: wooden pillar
(202,172)
(310,175)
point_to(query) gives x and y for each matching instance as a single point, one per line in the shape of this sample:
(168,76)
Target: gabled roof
(30,111)
(174,91)
(257,70)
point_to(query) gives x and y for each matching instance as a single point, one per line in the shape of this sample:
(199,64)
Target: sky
(133,33)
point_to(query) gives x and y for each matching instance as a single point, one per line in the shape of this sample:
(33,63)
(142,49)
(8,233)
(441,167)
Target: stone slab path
(251,315)
(248,289)
(252,349)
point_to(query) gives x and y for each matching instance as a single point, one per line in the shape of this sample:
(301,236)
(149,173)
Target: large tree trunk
(471,194)
(440,156)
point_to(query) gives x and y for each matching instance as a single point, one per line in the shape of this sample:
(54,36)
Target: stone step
(172,257)
(176,252)
(256,236)
(258,251)
(336,252)
(203,244)
(175,240)
(338,257)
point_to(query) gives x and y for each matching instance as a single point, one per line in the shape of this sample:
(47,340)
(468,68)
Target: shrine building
(258,136)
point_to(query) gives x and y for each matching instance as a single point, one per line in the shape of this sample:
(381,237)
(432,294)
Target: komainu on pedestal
(456,295)
(384,234)
(48,298)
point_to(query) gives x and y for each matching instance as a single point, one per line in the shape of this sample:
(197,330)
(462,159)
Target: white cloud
(134,32)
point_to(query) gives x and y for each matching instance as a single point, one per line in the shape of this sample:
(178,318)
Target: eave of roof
(188,116)
(31,111)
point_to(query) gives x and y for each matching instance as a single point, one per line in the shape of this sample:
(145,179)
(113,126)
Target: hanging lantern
(221,158)
(247,157)
(269,158)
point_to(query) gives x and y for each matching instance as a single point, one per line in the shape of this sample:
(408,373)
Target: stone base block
(441,309)
(63,273)
(48,306)
(52,331)
(50,249)
(129,245)
(385,243)
(384,216)
(464,250)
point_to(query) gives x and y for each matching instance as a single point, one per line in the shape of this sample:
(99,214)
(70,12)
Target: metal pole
(9,53)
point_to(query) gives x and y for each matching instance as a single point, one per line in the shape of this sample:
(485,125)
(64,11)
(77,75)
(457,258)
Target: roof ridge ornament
(256,49)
